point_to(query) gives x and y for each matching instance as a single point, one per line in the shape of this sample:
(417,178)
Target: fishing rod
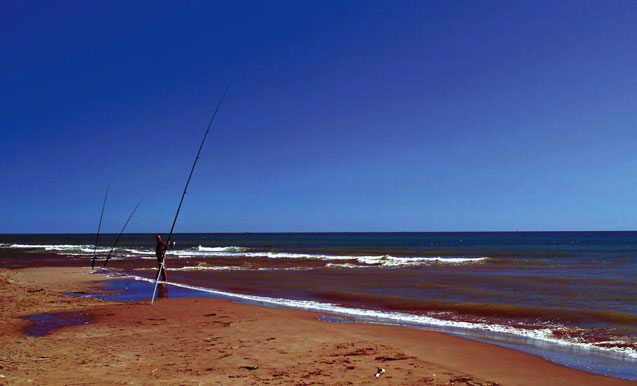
(163,260)
(98,230)
(120,234)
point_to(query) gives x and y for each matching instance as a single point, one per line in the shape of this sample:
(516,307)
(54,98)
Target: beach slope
(193,341)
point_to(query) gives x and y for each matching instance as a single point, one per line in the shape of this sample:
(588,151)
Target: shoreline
(588,359)
(217,341)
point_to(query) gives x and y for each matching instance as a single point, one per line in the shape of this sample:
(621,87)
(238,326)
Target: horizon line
(320,232)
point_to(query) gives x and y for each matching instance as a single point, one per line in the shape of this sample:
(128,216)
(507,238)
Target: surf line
(371,316)
(163,257)
(120,234)
(99,226)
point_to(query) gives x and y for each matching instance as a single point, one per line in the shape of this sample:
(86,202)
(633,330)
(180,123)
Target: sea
(569,297)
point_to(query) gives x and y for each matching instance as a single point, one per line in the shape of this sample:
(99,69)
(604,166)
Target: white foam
(345,265)
(207,268)
(49,247)
(221,249)
(392,261)
(384,260)
(232,251)
(98,250)
(545,334)
(229,268)
(138,251)
(76,249)
(286,269)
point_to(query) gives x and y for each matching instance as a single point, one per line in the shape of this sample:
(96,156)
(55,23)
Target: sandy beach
(199,341)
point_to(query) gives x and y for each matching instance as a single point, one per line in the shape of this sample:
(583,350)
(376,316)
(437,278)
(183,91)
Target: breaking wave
(378,260)
(242,252)
(207,268)
(221,249)
(51,247)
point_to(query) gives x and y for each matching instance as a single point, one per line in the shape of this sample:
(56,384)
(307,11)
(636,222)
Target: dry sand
(203,341)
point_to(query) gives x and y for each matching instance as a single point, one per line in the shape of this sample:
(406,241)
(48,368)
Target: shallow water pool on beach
(44,324)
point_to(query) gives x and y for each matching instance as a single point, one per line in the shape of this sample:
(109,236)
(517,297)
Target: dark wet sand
(193,341)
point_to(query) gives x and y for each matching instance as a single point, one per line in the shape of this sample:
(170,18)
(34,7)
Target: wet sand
(193,341)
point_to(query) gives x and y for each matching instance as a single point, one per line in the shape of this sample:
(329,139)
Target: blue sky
(342,116)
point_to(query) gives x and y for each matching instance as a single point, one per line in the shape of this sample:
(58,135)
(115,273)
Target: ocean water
(570,297)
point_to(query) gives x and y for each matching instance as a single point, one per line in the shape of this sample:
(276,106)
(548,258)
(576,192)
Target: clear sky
(342,116)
